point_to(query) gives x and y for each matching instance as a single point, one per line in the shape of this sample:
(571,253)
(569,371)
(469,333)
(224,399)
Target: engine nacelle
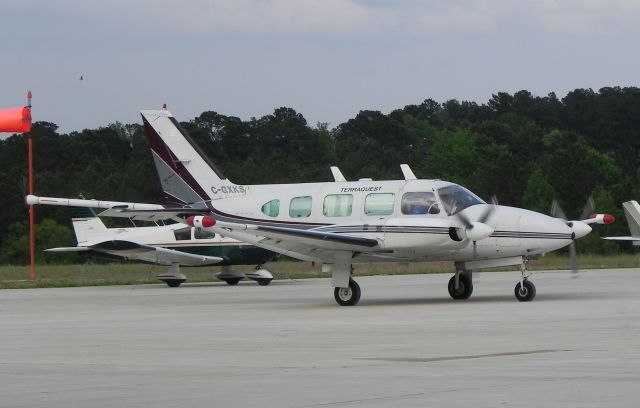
(600,219)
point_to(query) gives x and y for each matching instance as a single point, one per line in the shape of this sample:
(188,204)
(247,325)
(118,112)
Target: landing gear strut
(260,275)
(173,277)
(525,290)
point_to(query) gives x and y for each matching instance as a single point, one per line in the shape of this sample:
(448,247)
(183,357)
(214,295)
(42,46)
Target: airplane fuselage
(412,219)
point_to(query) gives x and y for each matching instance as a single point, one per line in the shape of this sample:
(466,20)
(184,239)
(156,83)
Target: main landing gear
(461,285)
(232,277)
(173,277)
(348,296)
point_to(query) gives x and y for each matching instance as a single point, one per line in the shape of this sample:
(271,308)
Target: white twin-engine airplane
(344,222)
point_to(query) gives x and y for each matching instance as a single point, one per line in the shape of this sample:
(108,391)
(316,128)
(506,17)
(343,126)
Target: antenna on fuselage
(337,174)
(407,172)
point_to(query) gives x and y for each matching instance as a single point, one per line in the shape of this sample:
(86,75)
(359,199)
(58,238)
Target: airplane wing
(145,253)
(312,245)
(329,240)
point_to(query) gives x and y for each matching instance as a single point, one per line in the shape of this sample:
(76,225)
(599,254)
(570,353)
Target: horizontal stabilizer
(152,215)
(68,249)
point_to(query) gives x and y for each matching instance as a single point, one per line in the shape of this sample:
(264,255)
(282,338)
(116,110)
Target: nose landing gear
(525,290)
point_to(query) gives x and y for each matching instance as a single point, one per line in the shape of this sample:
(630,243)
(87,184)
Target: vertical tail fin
(632,213)
(186,173)
(86,225)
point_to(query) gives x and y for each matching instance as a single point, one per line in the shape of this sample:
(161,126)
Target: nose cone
(579,228)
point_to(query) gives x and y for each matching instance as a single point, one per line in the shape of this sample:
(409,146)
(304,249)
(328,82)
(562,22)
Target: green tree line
(525,149)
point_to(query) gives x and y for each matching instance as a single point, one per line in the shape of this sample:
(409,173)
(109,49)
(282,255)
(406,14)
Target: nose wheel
(348,296)
(525,290)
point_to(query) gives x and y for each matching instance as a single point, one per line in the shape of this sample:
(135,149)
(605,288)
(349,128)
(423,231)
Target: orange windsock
(16,120)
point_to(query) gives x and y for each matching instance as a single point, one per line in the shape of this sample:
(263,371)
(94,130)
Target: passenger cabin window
(300,207)
(272,208)
(338,205)
(200,233)
(379,204)
(456,198)
(419,203)
(182,234)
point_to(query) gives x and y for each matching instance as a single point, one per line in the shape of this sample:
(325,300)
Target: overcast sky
(327,59)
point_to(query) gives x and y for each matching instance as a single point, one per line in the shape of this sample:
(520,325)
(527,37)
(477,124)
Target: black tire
(263,282)
(233,281)
(348,296)
(173,283)
(465,287)
(526,292)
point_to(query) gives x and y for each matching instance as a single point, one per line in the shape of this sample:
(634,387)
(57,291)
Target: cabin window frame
(268,211)
(377,205)
(339,207)
(300,210)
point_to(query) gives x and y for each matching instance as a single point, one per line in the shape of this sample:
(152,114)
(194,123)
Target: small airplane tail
(86,225)
(186,174)
(632,214)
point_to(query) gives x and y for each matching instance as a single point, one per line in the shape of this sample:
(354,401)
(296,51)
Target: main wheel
(348,296)
(173,283)
(233,281)
(464,289)
(263,281)
(525,292)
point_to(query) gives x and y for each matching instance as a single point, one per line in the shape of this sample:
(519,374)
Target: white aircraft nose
(579,228)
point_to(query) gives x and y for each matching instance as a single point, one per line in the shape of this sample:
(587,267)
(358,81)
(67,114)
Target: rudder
(186,174)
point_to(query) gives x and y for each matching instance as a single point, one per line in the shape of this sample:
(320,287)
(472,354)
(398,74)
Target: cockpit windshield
(456,198)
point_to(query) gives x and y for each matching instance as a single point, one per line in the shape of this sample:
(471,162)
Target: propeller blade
(556,210)
(475,273)
(588,209)
(573,258)
(489,210)
(463,218)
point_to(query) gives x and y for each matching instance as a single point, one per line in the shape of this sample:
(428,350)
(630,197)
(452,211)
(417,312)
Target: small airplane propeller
(477,230)
(581,227)
(557,212)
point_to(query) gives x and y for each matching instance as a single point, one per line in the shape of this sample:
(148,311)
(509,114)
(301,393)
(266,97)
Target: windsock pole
(18,120)
(32,226)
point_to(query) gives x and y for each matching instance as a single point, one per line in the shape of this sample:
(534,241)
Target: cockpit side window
(200,233)
(419,203)
(182,234)
(456,198)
